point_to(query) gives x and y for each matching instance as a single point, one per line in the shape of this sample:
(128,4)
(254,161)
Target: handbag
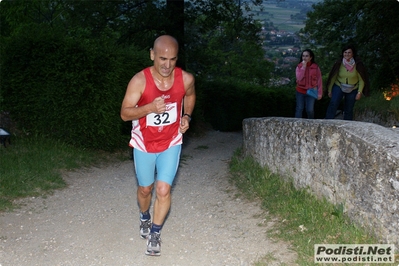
(312,92)
(347,88)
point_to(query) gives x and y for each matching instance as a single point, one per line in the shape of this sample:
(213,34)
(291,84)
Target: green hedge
(65,88)
(226,103)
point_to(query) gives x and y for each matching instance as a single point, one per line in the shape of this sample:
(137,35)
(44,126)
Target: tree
(17,14)
(222,42)
(175,26)
(369,25)
(212,34)
(66,57)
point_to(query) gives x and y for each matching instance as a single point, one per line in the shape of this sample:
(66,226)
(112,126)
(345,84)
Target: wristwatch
(189,117)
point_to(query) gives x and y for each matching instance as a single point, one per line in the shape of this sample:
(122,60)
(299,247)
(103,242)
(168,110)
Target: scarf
(349,65)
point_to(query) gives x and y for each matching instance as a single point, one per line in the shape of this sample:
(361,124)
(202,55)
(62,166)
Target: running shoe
(145,226)
(153,244)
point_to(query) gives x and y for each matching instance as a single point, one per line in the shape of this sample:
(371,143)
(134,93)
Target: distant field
(281,17)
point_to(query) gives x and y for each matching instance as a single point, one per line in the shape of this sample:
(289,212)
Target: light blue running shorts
(165,163)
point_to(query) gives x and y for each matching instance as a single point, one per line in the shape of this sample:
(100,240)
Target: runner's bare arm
(135,88)
(189,98)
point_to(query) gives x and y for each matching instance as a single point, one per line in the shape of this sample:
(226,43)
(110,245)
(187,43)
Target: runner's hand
(185,124)
(159,105)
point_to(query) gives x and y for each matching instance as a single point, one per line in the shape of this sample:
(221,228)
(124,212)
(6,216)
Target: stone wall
(347,162)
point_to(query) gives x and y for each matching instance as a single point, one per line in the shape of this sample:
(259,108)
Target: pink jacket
(308,77)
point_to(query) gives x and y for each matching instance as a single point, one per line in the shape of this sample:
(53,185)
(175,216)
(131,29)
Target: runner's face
(165,58)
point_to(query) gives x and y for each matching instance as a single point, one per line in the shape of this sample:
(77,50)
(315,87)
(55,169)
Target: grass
(33,166)
(281,18)
(303,219)
(377,104)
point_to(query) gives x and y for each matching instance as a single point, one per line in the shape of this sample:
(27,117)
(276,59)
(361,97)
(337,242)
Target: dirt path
(95,220)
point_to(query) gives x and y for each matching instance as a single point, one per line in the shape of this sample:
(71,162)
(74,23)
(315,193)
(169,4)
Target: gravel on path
(94,221)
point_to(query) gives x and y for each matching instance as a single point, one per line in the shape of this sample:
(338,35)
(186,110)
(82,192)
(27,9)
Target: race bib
(164,119)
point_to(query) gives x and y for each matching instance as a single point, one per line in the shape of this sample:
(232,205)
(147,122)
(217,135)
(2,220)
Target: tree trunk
(176,26)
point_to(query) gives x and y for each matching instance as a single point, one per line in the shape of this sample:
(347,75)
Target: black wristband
(189,116)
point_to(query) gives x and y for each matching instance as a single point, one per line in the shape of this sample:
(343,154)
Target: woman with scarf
(348,79)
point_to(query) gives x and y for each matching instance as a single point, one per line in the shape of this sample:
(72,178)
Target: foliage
(299,217)
(123,21)
(394,107)
(65,88)
(227,102)
(367,24)
(68,62)
(378,106)
(223,43)
(375,102)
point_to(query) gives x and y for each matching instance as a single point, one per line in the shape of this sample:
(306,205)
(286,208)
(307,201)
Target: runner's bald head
(166,41)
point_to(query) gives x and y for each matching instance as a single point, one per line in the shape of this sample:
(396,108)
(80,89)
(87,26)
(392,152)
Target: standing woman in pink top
(308,76)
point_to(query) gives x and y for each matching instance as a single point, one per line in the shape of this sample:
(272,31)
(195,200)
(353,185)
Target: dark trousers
(302,101)
(349,102)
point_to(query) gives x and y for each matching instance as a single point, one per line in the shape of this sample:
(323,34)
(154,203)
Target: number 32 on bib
(164,119)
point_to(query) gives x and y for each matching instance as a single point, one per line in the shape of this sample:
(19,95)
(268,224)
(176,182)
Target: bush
(65,88)
(394,107)
(226,103)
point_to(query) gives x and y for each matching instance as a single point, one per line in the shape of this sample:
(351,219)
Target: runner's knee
(145,191)
(163,189)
